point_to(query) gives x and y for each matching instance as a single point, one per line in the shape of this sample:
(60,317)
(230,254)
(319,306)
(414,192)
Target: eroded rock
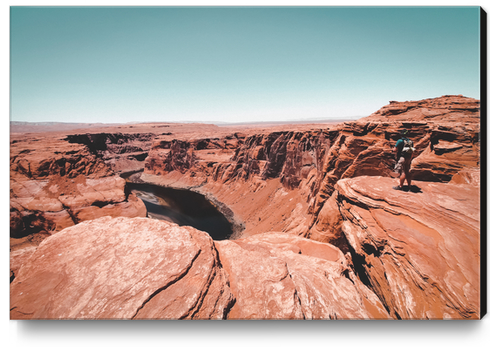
(279,276)
(380,253)
(121,268)
(309,163)
(418,251)
(55,184)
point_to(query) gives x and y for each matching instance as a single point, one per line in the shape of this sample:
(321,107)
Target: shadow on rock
(413,189)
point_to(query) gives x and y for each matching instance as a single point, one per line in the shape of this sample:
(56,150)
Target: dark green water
(183,207)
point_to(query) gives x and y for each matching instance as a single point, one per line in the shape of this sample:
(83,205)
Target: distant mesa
(26,127)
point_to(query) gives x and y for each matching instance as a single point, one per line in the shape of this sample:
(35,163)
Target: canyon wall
(287,176)
(319,231)
(56,183)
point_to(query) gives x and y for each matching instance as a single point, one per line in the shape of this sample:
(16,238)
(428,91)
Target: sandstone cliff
(445,109)
(288,176)
(419,252)
(60,178)
(55,184)
(319,231)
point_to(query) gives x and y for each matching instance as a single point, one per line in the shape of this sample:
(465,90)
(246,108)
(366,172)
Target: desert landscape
(250,221)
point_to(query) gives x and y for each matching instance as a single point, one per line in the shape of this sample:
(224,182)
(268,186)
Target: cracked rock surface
(138,268)
(418,251)
(121,268)
(280,276)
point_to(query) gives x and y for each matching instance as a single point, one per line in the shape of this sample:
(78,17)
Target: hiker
(404,150)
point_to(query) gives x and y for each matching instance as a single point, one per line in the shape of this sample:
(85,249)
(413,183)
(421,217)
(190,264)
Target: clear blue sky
(130,64)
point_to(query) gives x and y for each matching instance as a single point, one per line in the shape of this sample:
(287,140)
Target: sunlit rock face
(55,184)
(418,251)
(121,268)
(308,163)
(321,233)
(280,276)
(444,109)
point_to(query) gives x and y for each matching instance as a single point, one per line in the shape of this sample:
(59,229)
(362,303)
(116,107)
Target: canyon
(317,230)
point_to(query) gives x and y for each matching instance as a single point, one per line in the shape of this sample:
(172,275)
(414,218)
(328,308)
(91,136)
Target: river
(183,207)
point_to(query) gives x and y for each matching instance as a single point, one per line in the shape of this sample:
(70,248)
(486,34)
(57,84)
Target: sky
(235,64)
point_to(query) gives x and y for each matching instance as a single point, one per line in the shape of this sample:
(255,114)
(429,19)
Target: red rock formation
(446,109)
(374,252)
(279,276)
(55,184)
(122,268)
(121,152)
(60,178)
(196,157)
(18,258)
(419,252)
(41,157)
(309,163)
(146,269)
(282,176)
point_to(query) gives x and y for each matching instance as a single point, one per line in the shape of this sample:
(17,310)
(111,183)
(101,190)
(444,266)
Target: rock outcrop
(122,268)
(309,163)
(444,109)
(280,276)
(418,251)
(61,177)
(40,157)
(146,269)
(55,184)
(122,152)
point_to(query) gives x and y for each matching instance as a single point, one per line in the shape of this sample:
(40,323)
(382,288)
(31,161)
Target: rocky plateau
(318,231)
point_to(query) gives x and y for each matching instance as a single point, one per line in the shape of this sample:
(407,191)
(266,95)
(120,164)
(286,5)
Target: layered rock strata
(60,178)
(322,233)
(120,268)
(288,175)
(398,262)
(55,184)
(122,152)
(418,251)
(444,109)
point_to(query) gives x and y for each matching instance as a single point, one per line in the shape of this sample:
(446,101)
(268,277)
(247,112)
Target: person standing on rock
(404,150)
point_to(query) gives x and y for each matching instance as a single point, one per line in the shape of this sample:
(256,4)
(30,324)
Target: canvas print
(245,163)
